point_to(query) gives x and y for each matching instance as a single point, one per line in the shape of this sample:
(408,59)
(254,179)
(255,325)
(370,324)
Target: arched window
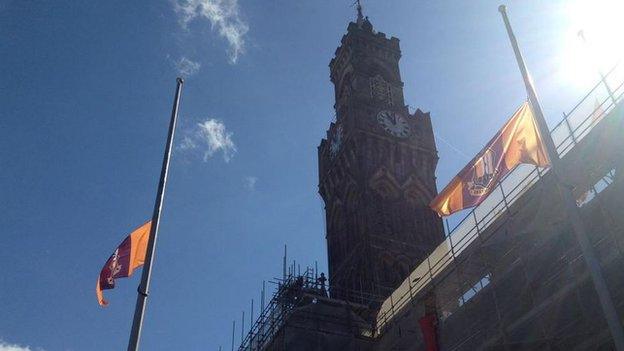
(380,89)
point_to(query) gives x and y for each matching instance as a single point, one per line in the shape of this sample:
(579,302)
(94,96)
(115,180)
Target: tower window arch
(380,89)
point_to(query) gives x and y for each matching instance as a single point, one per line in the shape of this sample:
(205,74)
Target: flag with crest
(517,142)
(128,256)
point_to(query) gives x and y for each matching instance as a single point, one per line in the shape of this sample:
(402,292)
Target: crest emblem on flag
(114,267)
(485,171)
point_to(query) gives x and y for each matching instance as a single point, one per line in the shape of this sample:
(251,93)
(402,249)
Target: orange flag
(517,142)
(130,254)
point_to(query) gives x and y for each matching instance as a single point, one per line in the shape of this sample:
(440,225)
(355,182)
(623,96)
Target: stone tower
(376,170)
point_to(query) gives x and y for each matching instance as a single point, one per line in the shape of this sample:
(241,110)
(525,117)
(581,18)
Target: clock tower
(376,171)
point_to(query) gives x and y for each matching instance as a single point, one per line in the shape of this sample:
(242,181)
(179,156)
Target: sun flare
(593,39)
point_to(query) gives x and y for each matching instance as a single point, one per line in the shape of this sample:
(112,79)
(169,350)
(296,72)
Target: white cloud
(224,16)
(4,346)
(250,182)
(186,67)
(188,143)
(217,138)
(211,137)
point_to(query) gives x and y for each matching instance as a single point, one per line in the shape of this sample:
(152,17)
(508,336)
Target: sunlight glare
(603,28)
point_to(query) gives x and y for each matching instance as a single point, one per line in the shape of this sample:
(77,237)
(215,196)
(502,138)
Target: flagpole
(608,308)
(143,290)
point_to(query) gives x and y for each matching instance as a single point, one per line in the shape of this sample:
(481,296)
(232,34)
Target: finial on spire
(360,17)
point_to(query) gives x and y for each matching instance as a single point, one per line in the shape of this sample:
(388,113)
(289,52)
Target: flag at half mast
(128,256)
(517,142)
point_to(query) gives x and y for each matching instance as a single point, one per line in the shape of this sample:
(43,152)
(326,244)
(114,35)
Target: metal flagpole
(143,290)
(608,308)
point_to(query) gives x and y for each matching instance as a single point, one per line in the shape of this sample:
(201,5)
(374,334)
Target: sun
(592,40)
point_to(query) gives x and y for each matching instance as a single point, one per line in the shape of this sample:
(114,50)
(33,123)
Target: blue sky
(86,93)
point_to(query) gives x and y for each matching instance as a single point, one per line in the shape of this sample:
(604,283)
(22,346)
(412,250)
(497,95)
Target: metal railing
(574,126)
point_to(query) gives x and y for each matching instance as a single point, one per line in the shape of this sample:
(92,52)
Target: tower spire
(360,17)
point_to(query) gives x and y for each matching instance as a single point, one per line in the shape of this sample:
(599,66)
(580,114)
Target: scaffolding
(274,315)
(566,134)
(293,291)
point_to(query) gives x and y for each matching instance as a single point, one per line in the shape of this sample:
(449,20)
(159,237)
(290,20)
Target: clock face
(394,123)
(335,142)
